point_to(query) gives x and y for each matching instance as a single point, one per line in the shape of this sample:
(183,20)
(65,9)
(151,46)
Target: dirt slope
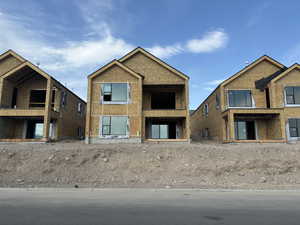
(199,165)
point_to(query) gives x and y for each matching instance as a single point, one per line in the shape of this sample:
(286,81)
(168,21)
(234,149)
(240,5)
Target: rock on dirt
(196,165)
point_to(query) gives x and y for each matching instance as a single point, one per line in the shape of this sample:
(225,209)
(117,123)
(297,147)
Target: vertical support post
(142,125)
(1,90)
(88,112)
(231,126)
(187,120)
(47,116)
(282,127)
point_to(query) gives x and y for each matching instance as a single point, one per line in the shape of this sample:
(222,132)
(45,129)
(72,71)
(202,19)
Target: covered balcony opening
(163,97)
(14,129)
(26,89)
(254,128)
(161,129)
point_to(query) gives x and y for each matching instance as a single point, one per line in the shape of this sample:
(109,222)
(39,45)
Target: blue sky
(207,40)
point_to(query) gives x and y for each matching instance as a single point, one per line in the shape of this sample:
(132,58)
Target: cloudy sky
(207,40)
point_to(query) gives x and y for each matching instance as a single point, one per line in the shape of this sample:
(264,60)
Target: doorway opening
(245,130)
(35,129)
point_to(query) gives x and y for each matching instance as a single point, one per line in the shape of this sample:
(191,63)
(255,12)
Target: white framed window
(240,99)
(115,93)
(292,96)
(114,126)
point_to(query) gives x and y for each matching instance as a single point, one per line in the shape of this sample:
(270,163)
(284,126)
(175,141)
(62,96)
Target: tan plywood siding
(290,79)
(35,83)
(133,109)
(153,72)
(247,81)
(213,121)
(7,91)
(69,118)
(8,63)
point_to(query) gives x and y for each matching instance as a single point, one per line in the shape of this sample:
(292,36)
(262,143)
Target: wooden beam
(47,116)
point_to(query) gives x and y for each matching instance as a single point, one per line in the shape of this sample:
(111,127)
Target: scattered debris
(196,165)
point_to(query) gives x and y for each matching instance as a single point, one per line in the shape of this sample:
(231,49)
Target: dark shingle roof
(262,83)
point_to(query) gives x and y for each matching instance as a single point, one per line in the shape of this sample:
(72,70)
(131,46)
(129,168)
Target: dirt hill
(198,165)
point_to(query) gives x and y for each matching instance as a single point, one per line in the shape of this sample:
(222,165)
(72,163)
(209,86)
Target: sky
(207,40)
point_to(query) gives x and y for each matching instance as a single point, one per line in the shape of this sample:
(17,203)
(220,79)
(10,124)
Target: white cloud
(210,42)
(167,51)
(71,61)
(88,53)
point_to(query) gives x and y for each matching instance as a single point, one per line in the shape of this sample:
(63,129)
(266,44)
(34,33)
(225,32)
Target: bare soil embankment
(198,165)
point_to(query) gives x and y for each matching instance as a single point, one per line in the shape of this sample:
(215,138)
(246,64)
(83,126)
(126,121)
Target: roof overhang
(115,63)
(250,66)
(154,58)
(293,67)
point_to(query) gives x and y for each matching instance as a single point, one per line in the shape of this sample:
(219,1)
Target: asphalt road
(148,206)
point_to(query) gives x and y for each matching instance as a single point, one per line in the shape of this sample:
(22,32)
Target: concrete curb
(145,189)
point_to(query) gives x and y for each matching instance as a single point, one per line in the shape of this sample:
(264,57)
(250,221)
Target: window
(217,102)
(294,127)
(292,95)
(160,131)
(80,108)
(80,132)
(114,92)
(114,125)
(240,98)
(37,98)
(63,99)
(206,132)
(205,110)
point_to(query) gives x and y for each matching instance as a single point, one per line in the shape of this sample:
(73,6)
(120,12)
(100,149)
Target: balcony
(164,101)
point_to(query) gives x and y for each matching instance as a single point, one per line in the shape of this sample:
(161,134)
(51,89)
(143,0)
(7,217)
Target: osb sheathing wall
(68,119)
(153,72)
(149,72)
(247,81)
(6,64)
(156,74)
(35,83)
(278,97)
(213,121)
(115,74)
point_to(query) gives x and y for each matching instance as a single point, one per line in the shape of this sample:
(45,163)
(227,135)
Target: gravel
(196,165)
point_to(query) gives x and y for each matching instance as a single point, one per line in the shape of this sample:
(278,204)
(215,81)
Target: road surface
(148,206)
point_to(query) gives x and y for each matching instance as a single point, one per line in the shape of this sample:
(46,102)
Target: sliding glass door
(160,131)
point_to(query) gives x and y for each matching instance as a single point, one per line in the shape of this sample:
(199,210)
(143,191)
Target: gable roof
(291,68)
(246,68)
(112,63)
(154,58)
(263,83)
(33,67)
(12,53)
(250,66)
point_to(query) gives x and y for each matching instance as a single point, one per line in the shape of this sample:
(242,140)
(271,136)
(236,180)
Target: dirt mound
(198,165)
